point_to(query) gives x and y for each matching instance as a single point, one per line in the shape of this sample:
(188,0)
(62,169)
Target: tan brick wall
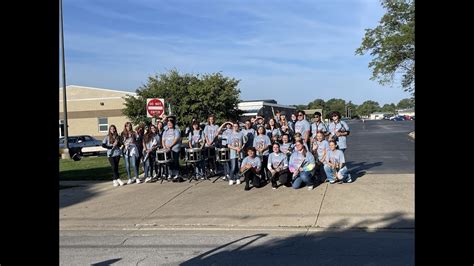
(84,109)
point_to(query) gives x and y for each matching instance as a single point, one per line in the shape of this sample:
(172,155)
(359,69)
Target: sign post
(155,107)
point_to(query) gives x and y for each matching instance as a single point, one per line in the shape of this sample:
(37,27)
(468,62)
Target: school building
(90,110)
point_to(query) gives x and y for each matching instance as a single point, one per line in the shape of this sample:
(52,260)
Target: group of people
(285,152)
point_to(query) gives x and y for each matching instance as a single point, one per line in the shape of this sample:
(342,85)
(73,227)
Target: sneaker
(238,182)
(274,187)
(175,177)
(169,177)
(247,187)
(231,182)
(120,182)
(137,180)
(349,178)
(115,183)
(148,179)
(224,177)
(310,187)
(332,181)
(130,181)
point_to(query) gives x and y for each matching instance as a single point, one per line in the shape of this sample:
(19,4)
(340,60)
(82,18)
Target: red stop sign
(155,107)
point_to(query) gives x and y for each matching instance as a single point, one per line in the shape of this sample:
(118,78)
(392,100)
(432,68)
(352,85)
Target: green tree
(335,105)
(317,104)
(392,44)
(190,96)
(300,106)
(406,104)
(368,107)
(389,108)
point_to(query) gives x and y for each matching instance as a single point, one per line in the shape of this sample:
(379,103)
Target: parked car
(397,118)
(82,145)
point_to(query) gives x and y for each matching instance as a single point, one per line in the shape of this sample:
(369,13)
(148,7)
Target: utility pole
(65,154)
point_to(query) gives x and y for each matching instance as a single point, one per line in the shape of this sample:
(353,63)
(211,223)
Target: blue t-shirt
(226,136)
(235,139)
(341,126)
(210,132)
(194,137)
(322,146)
(336,156)
(255,162)
(296,159)
(169,137)
(277,160)
(112,152)
(315,128)
(302,127)
(262,141)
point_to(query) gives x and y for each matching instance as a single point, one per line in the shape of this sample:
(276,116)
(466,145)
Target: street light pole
(65,154)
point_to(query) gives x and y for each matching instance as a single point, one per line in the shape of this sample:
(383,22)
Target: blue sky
(291,51)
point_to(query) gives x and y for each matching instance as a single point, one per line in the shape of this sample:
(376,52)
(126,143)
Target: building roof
(82,93)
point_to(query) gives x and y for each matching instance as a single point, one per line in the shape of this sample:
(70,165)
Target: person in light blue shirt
(335,165)
(250,169)
(235,146)
(286,147)
(172,141)
(278,167)
(320,149)
(196,140)
(130,152)
(249,132)
(302,126)
(211,133)
(112,143)
(273,131)
(339,130)
(301,165)
(226,134)
(317,126)
(262,143)
(160,169)
(149,151)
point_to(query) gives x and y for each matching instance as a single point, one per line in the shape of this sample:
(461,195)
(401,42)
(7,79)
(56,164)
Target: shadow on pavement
(105,262)
(355,245)
(73,194)
(357,169)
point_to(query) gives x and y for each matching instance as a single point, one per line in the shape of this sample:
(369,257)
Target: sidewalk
(372,201)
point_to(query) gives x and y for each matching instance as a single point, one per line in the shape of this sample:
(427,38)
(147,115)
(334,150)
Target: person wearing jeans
(335,165)
(301,164)
(112,143)
(235,146)
(130,151)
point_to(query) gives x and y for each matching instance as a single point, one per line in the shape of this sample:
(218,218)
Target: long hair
(304,147)
(112,136)
(126,133)
(149,134)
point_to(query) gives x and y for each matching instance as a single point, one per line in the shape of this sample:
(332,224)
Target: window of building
(103,124)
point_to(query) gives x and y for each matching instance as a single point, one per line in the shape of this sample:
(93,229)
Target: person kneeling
(301,165)
(250,167)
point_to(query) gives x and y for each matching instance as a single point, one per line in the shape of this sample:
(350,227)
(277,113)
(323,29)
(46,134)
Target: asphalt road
(380,147)
(216,247)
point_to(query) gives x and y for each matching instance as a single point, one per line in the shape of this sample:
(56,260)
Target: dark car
(397,118)
(82,145)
